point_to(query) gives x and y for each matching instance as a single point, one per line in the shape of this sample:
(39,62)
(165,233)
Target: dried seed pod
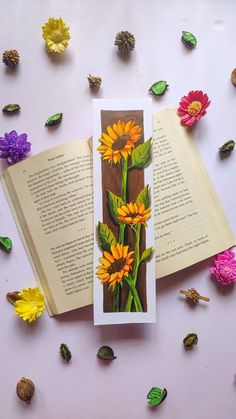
(190,340)
(227,147)
(25,389)
(11,108)
(125,41)
(13,296)
(54,120)
(5,244)
(156,396)
(188,39)
(233,77)
(159,88)
(105,352)
(11,58)
(94,82)
(193,295)
(65,352)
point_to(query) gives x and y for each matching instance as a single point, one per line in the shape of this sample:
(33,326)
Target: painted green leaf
(105,236)
(156,396)
(188,39)
(11,108)
(114,202)
(141,155)
(143,197)
(5,244)
(105,352)
(159,88)
(54,120)
(146,255)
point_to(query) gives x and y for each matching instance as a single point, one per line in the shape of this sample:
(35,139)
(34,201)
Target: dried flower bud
(227,147)
(193,295)
(13,296)
(65,352)
(11,58)
(94,82)
(25,389)
(190,340)
(125,41)
(233,77)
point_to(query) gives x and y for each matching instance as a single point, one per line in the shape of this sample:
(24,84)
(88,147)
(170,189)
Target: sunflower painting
(126,212)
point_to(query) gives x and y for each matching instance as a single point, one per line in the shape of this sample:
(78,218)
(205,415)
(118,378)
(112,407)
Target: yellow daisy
(115,265)
(119,140)
(133,213)
(30,305)
(56,35)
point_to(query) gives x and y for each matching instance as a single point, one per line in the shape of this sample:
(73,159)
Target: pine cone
(94,82)
(11,58)
(125,41)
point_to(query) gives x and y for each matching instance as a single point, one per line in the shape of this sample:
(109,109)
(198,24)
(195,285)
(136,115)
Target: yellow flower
(30,305)
(56,35)
(133,213)
(115,265)
(119,140)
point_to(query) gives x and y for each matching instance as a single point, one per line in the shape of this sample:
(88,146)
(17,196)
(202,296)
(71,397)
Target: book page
(52,197)
(190,224)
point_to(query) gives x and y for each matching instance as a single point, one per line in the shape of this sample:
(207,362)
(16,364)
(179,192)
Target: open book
(52,201)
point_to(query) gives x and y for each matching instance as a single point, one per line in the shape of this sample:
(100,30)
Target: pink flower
(225,268)
(192,107)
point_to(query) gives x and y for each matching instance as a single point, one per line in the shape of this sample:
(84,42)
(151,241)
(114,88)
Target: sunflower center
(120,143)
(194,108)
(57,36)
(116,266)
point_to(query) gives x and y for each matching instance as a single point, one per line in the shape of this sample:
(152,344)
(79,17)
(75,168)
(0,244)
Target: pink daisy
(192,107)
(225,268)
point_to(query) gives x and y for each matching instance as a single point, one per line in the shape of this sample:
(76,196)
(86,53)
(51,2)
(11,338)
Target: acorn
(25,389)
(125,41)
(11,58)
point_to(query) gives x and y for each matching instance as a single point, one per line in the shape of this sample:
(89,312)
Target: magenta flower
(14,147)
(192,107)
(225,268)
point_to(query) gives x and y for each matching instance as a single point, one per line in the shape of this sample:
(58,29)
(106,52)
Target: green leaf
(105,352)
(105,236)
(143,197)
(188,39)
(156,396)
(114,202)
(54,120)
(141,155)
(146,255)
(227,147)
(5,244)
(159,88)
(11,108)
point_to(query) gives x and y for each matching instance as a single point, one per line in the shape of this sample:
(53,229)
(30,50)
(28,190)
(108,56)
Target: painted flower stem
(130,297)
(134,295)
(124,172)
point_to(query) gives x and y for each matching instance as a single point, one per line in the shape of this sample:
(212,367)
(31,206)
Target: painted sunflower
(30,304)
(56,35)
(115,265)
(133,213)
(119,140)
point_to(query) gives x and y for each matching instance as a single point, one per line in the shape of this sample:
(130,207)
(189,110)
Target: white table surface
(200,383)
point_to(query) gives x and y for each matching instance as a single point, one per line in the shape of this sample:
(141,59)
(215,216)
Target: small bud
(25,389)
(227,147)
(65,352)
(190,340)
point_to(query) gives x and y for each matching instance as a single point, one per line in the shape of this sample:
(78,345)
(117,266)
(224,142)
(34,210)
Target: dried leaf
(159,88)
(11,108)
(13,296)
(5,244)
(54,120)
(156,396)
(190,340)
(188,39)
(105,352)
(65,352)
(227,147)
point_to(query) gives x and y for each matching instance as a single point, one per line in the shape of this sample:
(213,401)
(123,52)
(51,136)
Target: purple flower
(14,147)
(225,268)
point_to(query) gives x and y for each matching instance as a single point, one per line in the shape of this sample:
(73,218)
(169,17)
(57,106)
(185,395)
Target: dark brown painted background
(111,180)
